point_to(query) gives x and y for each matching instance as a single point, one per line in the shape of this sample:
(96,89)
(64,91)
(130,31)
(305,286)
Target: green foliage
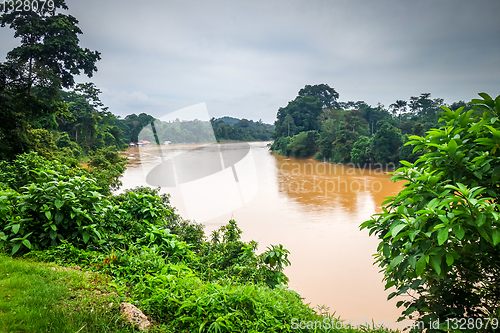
(361,151)
(228,128)
(304,112)
(303,144)
(107,166)
(439,235)
(327,95)
(42,142)
(386,143)
(280,145)
(51,208)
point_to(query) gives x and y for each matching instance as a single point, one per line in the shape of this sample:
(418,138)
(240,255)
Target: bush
(50,209)
(440,235)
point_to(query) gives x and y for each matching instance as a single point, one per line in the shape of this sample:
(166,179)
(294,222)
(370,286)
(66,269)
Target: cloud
(247,59)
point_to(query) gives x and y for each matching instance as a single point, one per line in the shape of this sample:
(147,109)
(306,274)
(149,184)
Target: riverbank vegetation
(146,253)
(316,124)
(439,237)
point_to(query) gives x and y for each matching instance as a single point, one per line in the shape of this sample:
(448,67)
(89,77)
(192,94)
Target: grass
(40,297)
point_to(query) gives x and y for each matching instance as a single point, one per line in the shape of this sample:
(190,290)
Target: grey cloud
(247,59)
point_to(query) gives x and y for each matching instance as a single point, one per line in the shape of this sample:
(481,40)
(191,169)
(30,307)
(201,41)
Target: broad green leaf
(459,231)
(485,96)
(452,147)
(420,266)
(442,236)
(396,261)
(54,227)
(48,215)
(86,237)
(27,243)
(413,233)
(449,259)
(495,235)
(387,251)
(397,229)
(59,203)
(59,217)
(15,228)
(481,219)
(16,247)
(436,264)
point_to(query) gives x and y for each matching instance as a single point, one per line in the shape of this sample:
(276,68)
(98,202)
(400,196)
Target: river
(314,209)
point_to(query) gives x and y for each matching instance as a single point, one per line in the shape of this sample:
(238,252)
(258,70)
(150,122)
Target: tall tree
(327,95)
(304,112)
(47,60)
(398,108)
(49,53)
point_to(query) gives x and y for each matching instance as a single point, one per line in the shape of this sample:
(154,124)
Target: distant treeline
(228,128)
(315,124)
(218,129)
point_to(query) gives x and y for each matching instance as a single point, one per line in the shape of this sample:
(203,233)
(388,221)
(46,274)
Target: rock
(134,316)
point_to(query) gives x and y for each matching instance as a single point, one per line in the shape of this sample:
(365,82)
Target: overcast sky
(248,58)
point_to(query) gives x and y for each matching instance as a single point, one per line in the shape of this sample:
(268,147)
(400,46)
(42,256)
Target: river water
(314,209)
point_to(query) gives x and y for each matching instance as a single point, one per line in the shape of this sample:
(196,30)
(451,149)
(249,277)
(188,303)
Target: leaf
(15,248)
(59,203)
(495,236)
(86,237)
(419,268)
(396,261)
(481,219)
(397,229)
(27,243)
(15,228)
(436,264)
(452,147)
(48,215)
(449,259)
(442,236)
(413,233)
(459,231)
(495,175)
(485,96)
(386,251)
(59,217)
(54,227)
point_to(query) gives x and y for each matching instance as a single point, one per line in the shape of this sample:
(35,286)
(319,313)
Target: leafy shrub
(52,208)
(440,235)
(107,166)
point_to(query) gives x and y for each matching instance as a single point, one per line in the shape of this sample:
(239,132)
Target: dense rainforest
(316,124)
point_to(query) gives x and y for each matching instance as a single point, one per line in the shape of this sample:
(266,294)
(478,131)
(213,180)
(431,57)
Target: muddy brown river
(313,208)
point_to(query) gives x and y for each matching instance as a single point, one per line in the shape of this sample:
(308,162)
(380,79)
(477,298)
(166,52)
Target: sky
(246,59)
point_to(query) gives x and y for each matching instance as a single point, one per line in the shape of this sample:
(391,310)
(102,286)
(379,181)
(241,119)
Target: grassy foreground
(41,297)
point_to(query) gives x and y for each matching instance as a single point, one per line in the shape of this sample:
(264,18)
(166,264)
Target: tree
(49,52)
(399,107)
(440,235)
(350,130)
(386,143)
(361,151)
(304,111)
(327,95)
(47,59)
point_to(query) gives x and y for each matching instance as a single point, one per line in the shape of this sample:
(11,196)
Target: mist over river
(313,208)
